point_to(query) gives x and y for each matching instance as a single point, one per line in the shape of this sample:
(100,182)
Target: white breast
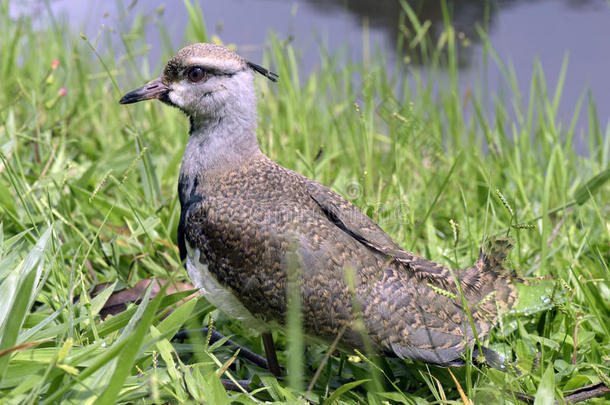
(218,295)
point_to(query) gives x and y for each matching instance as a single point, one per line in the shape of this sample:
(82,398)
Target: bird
(249,228)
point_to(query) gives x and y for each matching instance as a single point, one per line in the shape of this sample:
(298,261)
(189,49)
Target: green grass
(88,195)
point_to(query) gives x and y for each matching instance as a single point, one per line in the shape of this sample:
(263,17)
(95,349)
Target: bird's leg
(244,385)
(243,352)
(274,365)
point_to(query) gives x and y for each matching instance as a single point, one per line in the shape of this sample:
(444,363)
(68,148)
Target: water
(520,30)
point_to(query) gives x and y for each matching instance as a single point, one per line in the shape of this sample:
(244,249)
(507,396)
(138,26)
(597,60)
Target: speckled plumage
(255,226)
(252,219)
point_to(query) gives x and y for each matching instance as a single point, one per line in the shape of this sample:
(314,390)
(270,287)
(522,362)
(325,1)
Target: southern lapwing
(247,222)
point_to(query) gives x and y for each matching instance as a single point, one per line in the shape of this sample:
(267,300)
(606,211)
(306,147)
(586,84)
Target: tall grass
(87,191)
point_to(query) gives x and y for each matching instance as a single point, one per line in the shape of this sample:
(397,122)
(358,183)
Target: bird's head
(202,80)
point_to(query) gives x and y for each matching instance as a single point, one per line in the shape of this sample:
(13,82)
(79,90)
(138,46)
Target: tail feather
(489,275)
(493,255)
(488,289)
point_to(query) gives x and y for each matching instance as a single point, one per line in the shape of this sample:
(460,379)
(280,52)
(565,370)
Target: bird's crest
(265,72)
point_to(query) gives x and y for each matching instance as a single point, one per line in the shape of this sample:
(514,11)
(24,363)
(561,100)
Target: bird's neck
(218,144)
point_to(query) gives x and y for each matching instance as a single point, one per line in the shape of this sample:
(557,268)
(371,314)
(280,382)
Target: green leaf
(118,321)
(534,297)
(28,278)
(98,363)
(343,389)
(216,393)
(8,289)
(25,384)
(399,398)
(545,394)
(97,303)
(576,382)
(112,324)
(196,22)
(18,372)
(551,344)
(129,353)
(176,319)
(584,192)
(165,350)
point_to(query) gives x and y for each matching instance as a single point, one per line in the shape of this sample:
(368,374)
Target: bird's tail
(487,278)
(490,278)
(490,290)
(447,307)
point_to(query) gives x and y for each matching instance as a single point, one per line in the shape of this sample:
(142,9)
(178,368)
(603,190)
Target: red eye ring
(195,74)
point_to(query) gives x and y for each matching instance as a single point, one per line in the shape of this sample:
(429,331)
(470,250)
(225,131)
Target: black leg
(274,365)
(231,386)
(215,337)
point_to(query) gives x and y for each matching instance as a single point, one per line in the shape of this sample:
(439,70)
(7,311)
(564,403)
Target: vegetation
(88,196)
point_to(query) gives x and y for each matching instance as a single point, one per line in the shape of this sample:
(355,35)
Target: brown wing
(350,219)
(419,315)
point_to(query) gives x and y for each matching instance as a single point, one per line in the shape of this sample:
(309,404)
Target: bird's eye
(195,74)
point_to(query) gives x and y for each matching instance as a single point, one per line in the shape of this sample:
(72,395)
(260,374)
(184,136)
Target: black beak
(151,90)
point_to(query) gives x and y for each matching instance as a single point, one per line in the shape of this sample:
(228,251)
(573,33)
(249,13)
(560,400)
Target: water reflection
(466,16)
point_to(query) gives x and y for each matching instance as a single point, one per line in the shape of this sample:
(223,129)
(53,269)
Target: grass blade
(584,192)
(28,278)
(129,353)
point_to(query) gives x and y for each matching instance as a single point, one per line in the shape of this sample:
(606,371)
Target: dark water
(520,30)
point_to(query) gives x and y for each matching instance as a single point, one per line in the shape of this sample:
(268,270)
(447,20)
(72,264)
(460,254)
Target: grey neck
(218,144)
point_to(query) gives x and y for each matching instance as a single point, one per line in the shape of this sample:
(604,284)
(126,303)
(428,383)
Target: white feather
(218,295)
